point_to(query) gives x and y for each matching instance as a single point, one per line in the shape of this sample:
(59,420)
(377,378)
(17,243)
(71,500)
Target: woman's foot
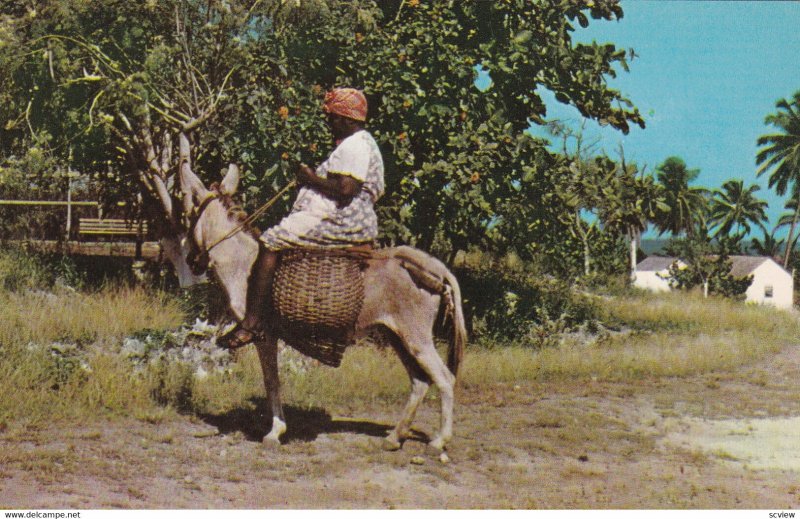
(237,337)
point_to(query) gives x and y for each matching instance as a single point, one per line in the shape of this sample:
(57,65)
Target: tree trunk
(584,236)
(634,235)
(587,261)
(789,244)
(705,289)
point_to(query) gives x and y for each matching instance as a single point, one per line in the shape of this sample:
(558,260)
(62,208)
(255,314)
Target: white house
(772,284)
(653,273)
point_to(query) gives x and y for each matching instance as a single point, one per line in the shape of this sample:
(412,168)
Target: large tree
(768,245)
(632,200)
(107,86)
(733,206)
(780,156)
(115,83)
(788,220)
(684,205)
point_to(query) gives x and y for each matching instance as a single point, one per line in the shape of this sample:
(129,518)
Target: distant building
(772,284)
(653,273)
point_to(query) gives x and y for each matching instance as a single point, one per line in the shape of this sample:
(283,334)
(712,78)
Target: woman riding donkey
(334,207)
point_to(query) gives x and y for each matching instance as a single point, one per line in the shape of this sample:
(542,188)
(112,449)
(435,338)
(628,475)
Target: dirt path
(558,444)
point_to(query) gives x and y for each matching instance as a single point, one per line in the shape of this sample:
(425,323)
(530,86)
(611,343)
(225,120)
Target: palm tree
(734,205)
(631,200)
(781,156)
(768,246)
(579,190)
(686,206)
(786,219)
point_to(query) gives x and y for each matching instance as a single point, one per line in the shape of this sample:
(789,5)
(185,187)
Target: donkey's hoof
(271,442)
(273,438)
(435,447)
(391,444)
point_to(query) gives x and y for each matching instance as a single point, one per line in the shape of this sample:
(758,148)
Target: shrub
(707,264)
(21,270)
(206,301)
(518,305)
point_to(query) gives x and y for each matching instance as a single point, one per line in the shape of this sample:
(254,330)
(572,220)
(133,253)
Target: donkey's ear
(231,181)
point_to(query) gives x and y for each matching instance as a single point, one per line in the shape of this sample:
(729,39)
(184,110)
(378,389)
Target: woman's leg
(259,291)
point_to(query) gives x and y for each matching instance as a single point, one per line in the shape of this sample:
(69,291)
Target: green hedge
(502,304)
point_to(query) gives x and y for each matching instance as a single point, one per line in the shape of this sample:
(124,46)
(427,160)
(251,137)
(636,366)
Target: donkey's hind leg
(424,352)
(420,382)
(268,355)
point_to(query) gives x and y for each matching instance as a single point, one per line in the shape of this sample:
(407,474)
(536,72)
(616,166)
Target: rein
(202,257)
(250,219)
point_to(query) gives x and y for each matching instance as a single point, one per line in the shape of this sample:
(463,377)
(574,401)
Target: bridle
(197,258)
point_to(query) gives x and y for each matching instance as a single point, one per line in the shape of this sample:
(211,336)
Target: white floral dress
(318,221)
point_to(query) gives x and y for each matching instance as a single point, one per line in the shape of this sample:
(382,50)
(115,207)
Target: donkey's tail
(433,274)
(458,334)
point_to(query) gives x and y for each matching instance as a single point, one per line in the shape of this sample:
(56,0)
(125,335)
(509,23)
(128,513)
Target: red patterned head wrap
(347,102)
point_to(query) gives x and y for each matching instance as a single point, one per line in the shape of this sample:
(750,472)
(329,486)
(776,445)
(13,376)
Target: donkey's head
(207,214)
(218,236)
(195,193)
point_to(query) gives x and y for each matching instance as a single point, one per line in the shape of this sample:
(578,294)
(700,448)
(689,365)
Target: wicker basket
(317,295)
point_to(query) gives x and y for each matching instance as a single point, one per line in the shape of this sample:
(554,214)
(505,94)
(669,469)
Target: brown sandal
(236,338)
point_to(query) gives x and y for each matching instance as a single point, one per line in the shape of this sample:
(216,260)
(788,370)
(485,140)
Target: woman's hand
(305,175)
(340,188)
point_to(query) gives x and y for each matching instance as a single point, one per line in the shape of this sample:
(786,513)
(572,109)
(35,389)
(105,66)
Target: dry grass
(533,428)
(367,374)
(43,317)
(664,336)
(676,335)
(49,387)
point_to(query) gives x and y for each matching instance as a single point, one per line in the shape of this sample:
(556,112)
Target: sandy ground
(758,443)
(722,441)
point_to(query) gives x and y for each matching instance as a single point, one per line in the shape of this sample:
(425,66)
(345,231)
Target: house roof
(655,264)
(740,265)
(745,265)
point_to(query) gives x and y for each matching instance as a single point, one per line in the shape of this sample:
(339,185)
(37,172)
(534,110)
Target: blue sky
(706,75)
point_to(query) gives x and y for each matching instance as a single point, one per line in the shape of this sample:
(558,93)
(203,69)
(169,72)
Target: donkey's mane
(235,211)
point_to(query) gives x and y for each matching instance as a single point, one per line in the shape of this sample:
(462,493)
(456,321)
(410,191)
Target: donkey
(404,288)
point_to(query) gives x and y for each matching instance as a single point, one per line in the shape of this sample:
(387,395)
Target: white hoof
(274,437)
(391,443)
(271,441)
(436,445)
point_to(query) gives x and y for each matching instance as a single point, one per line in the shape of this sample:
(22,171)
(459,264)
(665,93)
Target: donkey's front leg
(268,354)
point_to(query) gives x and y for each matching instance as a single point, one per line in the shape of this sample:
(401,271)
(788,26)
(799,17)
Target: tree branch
(208,112)
(184,151)
(186,56)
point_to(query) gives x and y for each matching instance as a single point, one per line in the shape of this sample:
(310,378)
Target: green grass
(110,313)
(672,335)
(48,387)
(667,335)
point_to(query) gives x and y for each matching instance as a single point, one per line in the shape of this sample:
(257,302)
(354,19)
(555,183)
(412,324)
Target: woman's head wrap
(347,102)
